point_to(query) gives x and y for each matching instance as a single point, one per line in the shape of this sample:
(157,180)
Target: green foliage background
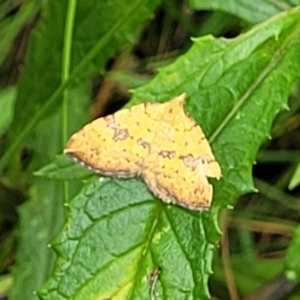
(111,234)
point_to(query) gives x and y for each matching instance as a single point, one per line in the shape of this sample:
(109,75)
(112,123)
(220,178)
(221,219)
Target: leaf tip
(285,107)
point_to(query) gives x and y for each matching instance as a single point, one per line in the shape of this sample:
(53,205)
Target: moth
(158,142)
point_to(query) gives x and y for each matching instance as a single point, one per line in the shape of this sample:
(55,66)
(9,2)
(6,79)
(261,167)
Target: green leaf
(63,168)
(229,91)
(118,234)
(7,101)
(295,180)
(250,11)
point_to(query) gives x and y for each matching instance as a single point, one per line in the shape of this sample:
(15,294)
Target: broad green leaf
(250,11)
(118,233)
(234,89)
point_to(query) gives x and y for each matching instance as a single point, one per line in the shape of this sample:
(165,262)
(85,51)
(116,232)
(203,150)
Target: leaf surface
(234,89)
(251,11)
(63,168)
